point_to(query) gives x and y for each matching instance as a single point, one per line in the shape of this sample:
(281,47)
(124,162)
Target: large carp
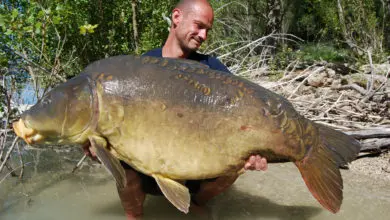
(176,120)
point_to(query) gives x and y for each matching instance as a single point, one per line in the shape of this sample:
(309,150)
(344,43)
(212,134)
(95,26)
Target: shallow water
(49,191)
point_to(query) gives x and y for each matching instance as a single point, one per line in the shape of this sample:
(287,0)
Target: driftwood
(372,140)
(375,144)
(370,133)
(335,98)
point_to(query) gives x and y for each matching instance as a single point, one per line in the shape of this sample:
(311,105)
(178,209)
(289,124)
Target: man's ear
(176,16)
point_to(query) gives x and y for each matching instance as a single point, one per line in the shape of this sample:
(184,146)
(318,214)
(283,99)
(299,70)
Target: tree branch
(8,153)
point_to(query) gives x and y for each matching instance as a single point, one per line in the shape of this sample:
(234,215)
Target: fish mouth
(29,135)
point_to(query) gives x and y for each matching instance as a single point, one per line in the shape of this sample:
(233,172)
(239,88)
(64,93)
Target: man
(191,21)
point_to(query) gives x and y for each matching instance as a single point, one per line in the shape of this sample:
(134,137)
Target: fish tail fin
(320,166)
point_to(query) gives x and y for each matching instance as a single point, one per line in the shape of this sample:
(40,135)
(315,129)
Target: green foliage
(317,20)
(322,52)
(364,26)
(33,42)
(309,54)
(54,40)
(357,24)
(236,21)
(87,28)
(154,25)
(282,58)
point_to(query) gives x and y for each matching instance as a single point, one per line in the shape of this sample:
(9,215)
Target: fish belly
(189,143)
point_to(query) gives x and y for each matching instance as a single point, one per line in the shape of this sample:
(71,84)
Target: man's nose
(203,34)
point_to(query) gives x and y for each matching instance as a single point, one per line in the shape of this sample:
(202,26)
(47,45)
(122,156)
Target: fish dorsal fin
(175,192)
(111,163)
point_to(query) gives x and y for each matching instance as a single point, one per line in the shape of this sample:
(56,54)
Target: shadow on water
(233,204)
(44,169)
(236,203)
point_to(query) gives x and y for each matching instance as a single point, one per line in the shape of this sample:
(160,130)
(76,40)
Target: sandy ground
(375,167)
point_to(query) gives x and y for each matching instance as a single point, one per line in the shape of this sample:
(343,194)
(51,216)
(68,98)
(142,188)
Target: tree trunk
(135,25)
(274,23)
(343,26)
(274,17)
(386,19)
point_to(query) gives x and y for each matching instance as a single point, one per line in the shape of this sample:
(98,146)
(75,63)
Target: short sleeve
(154,53)
(215,64)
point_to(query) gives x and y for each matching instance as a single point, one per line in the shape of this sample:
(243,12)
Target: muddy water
(50,192)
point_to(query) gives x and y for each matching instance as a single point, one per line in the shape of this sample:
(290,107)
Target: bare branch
(354,86)
(79,163)
(8,153)
(21,162)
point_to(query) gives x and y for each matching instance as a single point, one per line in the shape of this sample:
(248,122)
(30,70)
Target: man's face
(193,28)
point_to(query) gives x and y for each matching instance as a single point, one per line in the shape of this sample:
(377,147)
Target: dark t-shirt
(208,60)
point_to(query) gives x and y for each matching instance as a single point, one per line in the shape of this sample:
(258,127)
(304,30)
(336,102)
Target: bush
(323,52)
(309,54)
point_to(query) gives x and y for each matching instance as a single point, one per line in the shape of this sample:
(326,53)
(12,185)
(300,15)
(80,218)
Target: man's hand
(256,162)
(210,189)
(87,151)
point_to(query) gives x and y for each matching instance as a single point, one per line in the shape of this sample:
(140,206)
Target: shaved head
(189,6)
(188,3)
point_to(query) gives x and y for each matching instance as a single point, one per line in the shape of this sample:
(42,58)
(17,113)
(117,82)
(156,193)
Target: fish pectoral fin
(111,163)
(175,192)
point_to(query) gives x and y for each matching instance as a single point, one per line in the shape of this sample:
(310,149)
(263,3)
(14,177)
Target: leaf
(91,28)
(31,19)
(8,32)
(88,28)
(83,30)
(56,19)
(28,29)
(59,7)
(14,13)
(41,14)
(38,25)
(3,20)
